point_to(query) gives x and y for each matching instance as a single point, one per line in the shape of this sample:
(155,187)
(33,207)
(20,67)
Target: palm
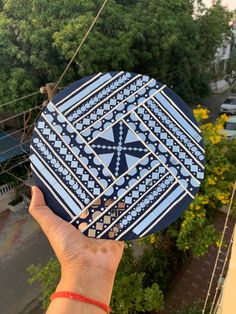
(74,250)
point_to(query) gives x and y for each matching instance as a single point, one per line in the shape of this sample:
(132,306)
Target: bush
(130,294)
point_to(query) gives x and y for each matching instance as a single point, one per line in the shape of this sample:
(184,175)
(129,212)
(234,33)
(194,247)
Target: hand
(87,265)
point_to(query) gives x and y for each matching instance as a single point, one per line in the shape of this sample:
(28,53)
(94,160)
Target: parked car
(229,106)
(229,130)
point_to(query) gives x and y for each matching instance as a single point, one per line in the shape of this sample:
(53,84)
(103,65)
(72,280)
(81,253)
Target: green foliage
(198,235)
(48,276)
(166,38)
(130,294)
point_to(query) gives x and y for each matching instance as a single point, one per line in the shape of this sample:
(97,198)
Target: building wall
(228,301)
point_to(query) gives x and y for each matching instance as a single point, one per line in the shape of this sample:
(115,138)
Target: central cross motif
(119,148)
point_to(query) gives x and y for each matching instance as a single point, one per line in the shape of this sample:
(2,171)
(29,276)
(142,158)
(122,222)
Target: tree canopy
(173,41)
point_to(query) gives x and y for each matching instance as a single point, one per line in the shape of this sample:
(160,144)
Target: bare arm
(88,266)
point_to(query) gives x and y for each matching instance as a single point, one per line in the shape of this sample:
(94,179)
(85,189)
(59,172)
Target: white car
(229,105)
(229,130)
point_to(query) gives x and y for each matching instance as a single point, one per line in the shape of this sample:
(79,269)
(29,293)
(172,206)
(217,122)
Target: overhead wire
(14,166)
(4,167)
(60,78)
(64,72)
(80,45)
(13,175)
(18,99)
(14,132)
(14,147)
(20,114)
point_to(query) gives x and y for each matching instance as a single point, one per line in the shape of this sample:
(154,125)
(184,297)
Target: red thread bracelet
(79,297)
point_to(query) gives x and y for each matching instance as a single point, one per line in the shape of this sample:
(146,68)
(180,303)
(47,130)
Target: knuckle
(31,209)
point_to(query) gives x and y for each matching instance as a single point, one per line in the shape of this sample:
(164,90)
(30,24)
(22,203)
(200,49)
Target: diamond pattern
(170,143)
(112,147)
(126,155)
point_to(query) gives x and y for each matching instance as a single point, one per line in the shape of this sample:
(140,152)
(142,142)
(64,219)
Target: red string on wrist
(79,297)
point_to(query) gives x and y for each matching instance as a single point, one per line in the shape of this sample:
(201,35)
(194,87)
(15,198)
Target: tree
(167,38)
(180,45)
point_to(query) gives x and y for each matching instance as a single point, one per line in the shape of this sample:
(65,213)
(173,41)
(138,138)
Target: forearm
(95,285)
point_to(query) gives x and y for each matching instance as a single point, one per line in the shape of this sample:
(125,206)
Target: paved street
(15,228)
(16,293)
(213,103)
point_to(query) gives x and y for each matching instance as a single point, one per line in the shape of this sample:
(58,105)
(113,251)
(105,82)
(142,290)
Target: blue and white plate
(118,155)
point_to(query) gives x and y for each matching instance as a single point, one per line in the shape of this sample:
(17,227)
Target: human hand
(88,266)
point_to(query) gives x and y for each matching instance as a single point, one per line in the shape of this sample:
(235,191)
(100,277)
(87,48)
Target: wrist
(93,283)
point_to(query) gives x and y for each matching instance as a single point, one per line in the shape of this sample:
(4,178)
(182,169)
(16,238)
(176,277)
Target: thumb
(42,213)
(37,198)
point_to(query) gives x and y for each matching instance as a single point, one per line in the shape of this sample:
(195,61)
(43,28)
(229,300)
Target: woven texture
(118,155)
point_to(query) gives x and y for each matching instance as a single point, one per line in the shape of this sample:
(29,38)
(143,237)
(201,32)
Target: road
(16,293)
(213,104)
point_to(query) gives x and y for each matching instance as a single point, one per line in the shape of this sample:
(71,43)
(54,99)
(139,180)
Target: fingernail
(32,190)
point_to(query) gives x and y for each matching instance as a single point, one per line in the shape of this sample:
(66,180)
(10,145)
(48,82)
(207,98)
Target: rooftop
(11,146)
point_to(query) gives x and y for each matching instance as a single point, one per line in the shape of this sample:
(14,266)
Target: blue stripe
(55,185)
(158,210)
(86,91)
(178,117)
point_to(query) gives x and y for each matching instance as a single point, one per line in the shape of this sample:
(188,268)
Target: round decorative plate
(118,155)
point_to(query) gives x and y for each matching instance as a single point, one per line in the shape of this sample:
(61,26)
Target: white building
(221,58)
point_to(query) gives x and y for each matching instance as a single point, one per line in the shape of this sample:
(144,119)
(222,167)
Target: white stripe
(182,113)
(84,92)
(101,102)
(187,126)
(176,139)
(137,201)
(126,192)
(64,164)
(158,159)
(54,175)
(169,151)
(166,212)
(160,208)
(175,121)
(126,114)
(146,212)
(79,88)
(73,152)
(83,140)
(114,182)
(53,193)
(95,91)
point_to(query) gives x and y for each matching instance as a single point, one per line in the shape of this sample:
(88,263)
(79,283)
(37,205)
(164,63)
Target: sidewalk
(192,282)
